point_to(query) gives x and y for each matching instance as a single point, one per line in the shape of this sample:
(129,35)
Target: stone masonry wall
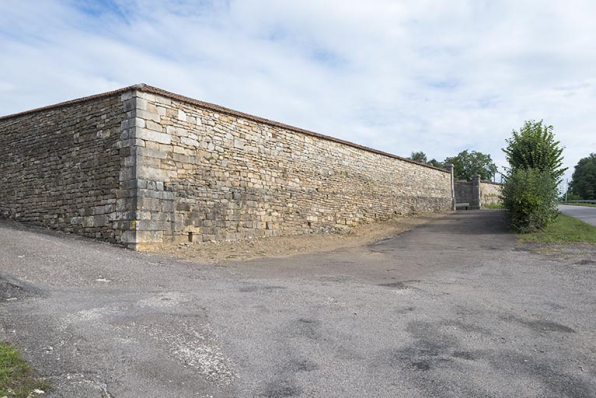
(204,174)
(477,193)
(140,166)
(61,168)
(490,193)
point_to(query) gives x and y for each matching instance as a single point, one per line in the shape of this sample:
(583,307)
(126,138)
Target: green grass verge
(16,377)
(564,230)
(494,206)
(579,204)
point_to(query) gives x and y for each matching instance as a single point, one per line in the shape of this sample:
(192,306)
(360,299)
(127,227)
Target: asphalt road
(451,309)
(585,213)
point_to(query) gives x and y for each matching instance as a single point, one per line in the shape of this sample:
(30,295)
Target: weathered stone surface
(490,193)
(139,167)
(64,168)
(149,135)
(477,193)
(236,178)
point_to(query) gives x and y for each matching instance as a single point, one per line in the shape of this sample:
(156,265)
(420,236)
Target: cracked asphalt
(453,308)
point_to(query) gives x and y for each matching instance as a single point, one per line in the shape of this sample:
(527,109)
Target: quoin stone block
(141,166)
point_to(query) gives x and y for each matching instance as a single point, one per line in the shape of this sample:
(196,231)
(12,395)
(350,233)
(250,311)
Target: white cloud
(399,76)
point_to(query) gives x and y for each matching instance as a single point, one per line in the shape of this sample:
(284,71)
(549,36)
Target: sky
(399,76)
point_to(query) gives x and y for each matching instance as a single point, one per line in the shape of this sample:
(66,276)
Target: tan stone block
(149,135)
(151,125)
(147,115)
(189,142)
(152,173)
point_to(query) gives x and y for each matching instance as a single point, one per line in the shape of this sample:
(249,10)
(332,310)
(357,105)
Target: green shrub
(534,147)
(530,198)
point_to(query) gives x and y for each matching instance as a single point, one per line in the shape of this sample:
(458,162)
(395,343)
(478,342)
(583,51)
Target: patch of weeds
(565,229)
(493,206)
(17,379)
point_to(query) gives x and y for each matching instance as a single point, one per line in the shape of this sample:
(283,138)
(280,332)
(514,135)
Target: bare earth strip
(286,246)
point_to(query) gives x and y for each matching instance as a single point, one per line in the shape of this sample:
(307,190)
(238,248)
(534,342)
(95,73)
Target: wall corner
(127,200)
(155,205)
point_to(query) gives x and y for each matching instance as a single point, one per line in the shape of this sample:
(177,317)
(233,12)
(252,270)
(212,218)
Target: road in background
(585,213)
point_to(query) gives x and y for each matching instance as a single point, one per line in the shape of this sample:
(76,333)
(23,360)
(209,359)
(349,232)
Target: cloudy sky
(400,76)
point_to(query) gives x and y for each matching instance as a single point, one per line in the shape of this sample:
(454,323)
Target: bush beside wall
(530,196)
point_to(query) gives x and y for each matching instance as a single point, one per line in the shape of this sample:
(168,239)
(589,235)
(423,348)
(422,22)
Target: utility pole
(566,188)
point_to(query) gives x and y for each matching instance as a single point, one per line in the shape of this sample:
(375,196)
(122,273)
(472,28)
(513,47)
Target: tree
(422,158)
(466,164)
(583,184)
(419,157)
(534,147)
(531,186)
(530,197)
(436,163)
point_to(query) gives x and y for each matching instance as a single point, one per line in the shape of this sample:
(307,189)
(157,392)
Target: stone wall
(60,167)
(490,193)
(217,175)
(140,166)
(476,193)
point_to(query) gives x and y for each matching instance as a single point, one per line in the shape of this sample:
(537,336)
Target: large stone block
(148,135)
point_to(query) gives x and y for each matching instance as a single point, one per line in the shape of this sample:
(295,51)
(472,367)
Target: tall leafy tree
(583,182)
(535,147)
(436,163)
(467,163)
(419,157)
(422,158)
(531,187)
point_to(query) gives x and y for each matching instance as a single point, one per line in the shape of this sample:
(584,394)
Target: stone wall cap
(217,108)
(72,102)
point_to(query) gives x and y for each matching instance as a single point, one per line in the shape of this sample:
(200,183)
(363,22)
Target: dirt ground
(286,246)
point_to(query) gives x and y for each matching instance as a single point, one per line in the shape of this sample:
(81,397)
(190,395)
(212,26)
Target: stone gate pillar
(450,167)
(475,202)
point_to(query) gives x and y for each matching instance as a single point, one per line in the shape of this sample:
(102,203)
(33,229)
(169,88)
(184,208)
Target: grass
(494,206)
(16,377)
(579,204)
(564,230)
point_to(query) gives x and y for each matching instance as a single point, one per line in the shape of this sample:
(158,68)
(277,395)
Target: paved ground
(585,213)
(450,309)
